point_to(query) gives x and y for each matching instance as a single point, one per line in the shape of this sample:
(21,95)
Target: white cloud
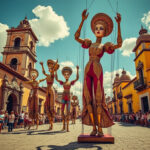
(128,45)
(77,88)
(48,26)
(109,79)
(146,20)
(3,36)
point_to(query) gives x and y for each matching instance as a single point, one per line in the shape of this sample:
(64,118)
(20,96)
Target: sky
(55,23)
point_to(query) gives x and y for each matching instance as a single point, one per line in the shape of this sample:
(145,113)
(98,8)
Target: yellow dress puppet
(50,94)
(95,112)
(33,101)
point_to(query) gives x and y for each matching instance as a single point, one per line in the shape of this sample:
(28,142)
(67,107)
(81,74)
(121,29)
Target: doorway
(145,106)
(12,103)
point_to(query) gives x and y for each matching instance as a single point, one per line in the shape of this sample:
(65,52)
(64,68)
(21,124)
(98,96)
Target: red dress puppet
(66,71)
(95,112)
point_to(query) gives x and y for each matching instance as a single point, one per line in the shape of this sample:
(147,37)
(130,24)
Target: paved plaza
(127,137)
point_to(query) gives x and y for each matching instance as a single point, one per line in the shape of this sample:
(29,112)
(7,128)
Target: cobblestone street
(127,137)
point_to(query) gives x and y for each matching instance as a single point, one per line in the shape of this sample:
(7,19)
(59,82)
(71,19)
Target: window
(29,69)
(31,45)
(130,107)
(17,42)
(141,76)
(13,63)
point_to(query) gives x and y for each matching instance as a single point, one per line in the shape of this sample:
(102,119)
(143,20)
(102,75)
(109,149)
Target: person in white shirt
(22,119)
(11,119)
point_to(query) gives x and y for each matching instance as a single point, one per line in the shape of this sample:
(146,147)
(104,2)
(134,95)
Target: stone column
(20,98)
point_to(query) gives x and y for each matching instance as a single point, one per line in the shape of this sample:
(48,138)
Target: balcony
(140,84)
(119,95)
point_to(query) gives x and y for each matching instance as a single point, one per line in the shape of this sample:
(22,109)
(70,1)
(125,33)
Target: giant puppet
(66,71)
(95,112)
(50,93)
(33,101)
(74,104)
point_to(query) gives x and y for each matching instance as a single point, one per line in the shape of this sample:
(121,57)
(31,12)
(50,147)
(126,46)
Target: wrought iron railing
(140,84)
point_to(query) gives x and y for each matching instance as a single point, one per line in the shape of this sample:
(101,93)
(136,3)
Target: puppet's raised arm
(119,38)
(77,76)
(43,70)
(56,77)
(77,34)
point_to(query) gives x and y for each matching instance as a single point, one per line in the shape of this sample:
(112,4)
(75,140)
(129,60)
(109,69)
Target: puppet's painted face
(33,75)
(99,30)
(50,68)
(66,75)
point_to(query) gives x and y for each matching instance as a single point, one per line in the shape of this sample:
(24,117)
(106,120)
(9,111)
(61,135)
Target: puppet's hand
(41,63)
(84,15)
(118,18)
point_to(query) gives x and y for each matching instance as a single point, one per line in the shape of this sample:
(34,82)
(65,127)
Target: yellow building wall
(144,58)
(117,90)
(135,98)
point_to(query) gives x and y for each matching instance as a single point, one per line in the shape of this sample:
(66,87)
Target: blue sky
(56,39)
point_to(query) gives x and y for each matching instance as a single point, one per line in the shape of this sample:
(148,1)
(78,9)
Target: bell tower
(20,49)
(142,63)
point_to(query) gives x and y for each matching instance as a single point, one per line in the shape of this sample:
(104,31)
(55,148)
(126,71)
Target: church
(19,57)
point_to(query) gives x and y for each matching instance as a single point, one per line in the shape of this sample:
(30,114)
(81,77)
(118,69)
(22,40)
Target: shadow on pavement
(126,124)
(70,146)
(34,132)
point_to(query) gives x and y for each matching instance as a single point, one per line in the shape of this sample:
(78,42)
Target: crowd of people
(137,118)
(22,120)
(14,120)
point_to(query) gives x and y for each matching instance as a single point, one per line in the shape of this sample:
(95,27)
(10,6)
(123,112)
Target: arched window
(13,63)
(29,69)
(17,42)
(31,45)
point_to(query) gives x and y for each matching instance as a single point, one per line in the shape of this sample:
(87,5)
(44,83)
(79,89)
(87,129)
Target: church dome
(24,23)
(117,79)
(124,76)
(144,36)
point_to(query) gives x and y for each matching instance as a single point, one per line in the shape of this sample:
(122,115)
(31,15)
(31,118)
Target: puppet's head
(101,25)
(75,99)
(52,65)
(34,74)
(66,71)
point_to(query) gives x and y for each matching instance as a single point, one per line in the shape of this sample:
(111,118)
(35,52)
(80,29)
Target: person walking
(11,119)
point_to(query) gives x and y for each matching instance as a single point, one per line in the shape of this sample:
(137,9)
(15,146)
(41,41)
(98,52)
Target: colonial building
(19,57)
(134,95)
